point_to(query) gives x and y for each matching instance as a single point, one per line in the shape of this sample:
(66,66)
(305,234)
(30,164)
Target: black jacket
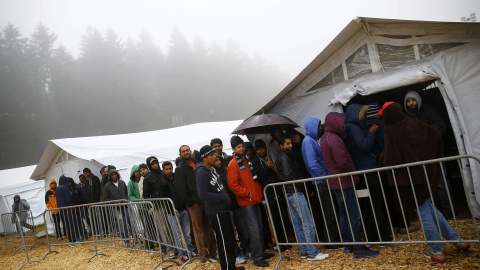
(177,201)
(429,115)
(154,185)
(211,190)
(185,183)
(265,175)
(111,192)
(94,190)
(288,171)
(76,193)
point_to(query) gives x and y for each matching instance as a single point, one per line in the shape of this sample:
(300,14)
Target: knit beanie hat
(260,144)
(205,151)
(235,140)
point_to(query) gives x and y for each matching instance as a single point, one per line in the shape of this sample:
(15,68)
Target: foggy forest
(117,86)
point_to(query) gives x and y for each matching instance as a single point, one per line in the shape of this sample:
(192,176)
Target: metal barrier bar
(69,225)
(24,228)
(412,187)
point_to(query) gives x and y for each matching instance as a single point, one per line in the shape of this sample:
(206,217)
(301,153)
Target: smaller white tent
(17,182)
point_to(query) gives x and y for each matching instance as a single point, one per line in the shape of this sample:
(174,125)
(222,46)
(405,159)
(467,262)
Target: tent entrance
(431,95)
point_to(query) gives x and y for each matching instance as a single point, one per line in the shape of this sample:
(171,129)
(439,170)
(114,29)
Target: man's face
(210,159)
(82,179)
(320,129)
(261,152)
(277,133)
(70,183)
(185,152)
(287,144)
(16,200)
(143,172)
(168,170)
(137,174)
(114,177)
(239,149)
(296,138)
(218,163)
(103,172)
(412,104)
(53,185)
(250,153)
(218,148)
(87,174)
(154,164)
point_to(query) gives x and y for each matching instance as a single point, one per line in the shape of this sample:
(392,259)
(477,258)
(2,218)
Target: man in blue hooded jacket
(65,199)
(322,198)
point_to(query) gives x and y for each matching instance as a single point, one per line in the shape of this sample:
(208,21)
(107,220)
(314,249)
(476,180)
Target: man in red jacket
(241,181)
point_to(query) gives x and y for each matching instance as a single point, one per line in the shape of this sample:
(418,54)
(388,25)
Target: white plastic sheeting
(125,150)
(17,182)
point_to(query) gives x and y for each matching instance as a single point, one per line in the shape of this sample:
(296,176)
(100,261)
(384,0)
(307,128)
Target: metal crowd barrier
(73,225)
(21,220)
(375,216)
(24,229)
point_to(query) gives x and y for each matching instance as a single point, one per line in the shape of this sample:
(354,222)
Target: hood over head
(15,197)
(102,169)
(393,114)
(63,181)
(311,126)
(49,183)
(113,171)
(352,115)
(415,95)
(135,168)
(334,123)
(149,159)
(70,180)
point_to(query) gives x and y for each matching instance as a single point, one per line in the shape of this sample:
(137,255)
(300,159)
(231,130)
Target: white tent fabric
(17,182)
(125,150)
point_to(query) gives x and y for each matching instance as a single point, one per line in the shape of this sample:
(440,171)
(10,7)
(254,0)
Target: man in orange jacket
(242,182)
(51,202)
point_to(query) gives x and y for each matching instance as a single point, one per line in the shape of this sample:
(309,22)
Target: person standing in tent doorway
(414,107)
(21,205)
(186,187)
(51,202)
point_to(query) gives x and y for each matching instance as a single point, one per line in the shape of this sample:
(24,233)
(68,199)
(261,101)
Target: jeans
(302,222)
(322,200)
(253,218)
(184,220)
(349,205)
(242,231)
(440,197)
(427,215)
(122,216)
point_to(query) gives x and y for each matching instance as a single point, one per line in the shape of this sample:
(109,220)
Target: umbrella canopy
(264,122)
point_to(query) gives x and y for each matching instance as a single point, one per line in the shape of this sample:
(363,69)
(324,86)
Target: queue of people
(218,195)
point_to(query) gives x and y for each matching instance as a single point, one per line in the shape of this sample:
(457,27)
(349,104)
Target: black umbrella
(258,124)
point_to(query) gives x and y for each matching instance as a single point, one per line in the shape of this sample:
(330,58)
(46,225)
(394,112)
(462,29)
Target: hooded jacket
(311,151)
(360,142)
(186,184)
(335,152)
(22,205)
(76,192)
(94,189)
(241,182)
(132,188)
(211,190)
(154,185)
(64,197)
(112,192)
(50,199)
(425,112)
(421,142)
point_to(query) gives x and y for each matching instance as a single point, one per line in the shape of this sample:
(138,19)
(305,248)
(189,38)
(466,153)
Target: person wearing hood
(64,199)
(186,187)
(51,202)
(143,169)
(79,198)
(116,189)
(217,206)
(422,142)
(242,182)
(360,142)
(18,206)
(415,107)
(321,199)
(93,186)
(338,161)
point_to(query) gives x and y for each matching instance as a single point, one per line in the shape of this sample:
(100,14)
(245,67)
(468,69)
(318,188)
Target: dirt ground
(397,257)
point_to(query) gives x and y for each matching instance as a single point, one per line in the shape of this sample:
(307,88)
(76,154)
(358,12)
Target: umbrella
(258,124)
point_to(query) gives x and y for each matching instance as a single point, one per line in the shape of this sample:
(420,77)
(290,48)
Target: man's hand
(373,129)
(269,164)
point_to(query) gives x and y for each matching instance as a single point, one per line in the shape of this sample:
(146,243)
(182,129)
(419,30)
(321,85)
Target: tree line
(119,86)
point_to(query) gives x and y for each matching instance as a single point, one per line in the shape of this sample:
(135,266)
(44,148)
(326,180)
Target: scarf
(240,164)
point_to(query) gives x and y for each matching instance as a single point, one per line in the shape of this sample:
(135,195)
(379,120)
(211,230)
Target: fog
(86,68)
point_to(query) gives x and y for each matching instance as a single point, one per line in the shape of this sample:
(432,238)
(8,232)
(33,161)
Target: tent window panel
(392,56)
(444,46)
(425,50)
(338,74)
(63,157)
(328,80)
(358,63)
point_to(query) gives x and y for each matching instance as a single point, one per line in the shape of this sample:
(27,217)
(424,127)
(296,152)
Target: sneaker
(171,255)
(261,263)
(194,254)
(212,260)
(267,256)
(462,247)
(248,254)
(333,247)
(413,227)
(320,256)
(240,259)
(434,256)
(184,259)
(348,249)
(365,253)
(303,255)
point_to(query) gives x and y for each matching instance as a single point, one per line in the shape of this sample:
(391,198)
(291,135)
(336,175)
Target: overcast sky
(287,33)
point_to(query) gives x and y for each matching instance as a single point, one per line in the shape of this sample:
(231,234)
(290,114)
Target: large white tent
(371,56)
(71,156)
(17,182)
